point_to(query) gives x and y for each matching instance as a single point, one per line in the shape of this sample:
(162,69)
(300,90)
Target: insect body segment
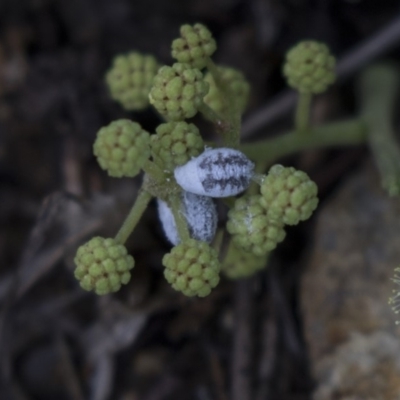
(219,172)
(201,216)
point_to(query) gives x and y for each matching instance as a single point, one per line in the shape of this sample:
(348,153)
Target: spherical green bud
(121,148)
(310,67)
(103,265)
(251,227)
(195,45)
(192,267)
(175,144)
(130,79)
(178,91)
(242,264)
(288,195)
(237,85)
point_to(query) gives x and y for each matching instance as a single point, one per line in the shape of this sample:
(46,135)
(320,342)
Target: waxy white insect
(200,213)
(219,172)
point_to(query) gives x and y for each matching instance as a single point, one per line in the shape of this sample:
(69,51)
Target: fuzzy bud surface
(242,264)
(288,195)
(103,265)
(239,89)
(251,228)
(310,67)
(195,45)
(192,267)
(130,79)
(178,91)
(175,143)
(122,148)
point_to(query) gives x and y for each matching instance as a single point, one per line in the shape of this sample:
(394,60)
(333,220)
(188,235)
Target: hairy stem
(210,114)
(134,216)
(379,86)
(213,69)
(302,117)
(153,170)
(232,136)
(223,125)
(175,203)
(342,133)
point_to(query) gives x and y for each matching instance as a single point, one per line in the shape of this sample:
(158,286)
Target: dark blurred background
(146,342)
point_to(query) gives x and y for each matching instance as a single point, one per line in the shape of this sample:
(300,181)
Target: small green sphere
(175,144)
(239,89)
(251,227)
(130,79)
(103,265)
(310,67)
(242,264)
(178,91)
(192,267)
(195,45)
(122,148)
(288,195)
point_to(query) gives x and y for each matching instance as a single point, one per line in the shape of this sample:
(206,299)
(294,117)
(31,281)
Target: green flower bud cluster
(288,195)
(175,143)
(242,264)
(237,86)
(122,148)
(310,67)
(192,267)
(195,45)
(130,79)
(185,176)
(251,227)
(103,265)
(178,91)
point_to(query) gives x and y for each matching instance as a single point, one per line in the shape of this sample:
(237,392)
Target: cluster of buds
(186,176)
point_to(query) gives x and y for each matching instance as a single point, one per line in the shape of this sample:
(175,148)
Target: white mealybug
(200,213)
(219,172)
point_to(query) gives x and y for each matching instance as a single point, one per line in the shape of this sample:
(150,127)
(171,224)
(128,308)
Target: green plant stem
(302,117)
(211,115)
(234,137)
(134,216)
(258,178)
(379,86)
(153,170)
(344,133)
(232,134)
(175,204)
(213,69)
(218,240)
(222,125)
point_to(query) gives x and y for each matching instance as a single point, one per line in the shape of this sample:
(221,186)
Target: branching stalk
(175,204)
(232,134)
(153,170)
(302,118)
(379,86)
(345,133)
(133,217)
